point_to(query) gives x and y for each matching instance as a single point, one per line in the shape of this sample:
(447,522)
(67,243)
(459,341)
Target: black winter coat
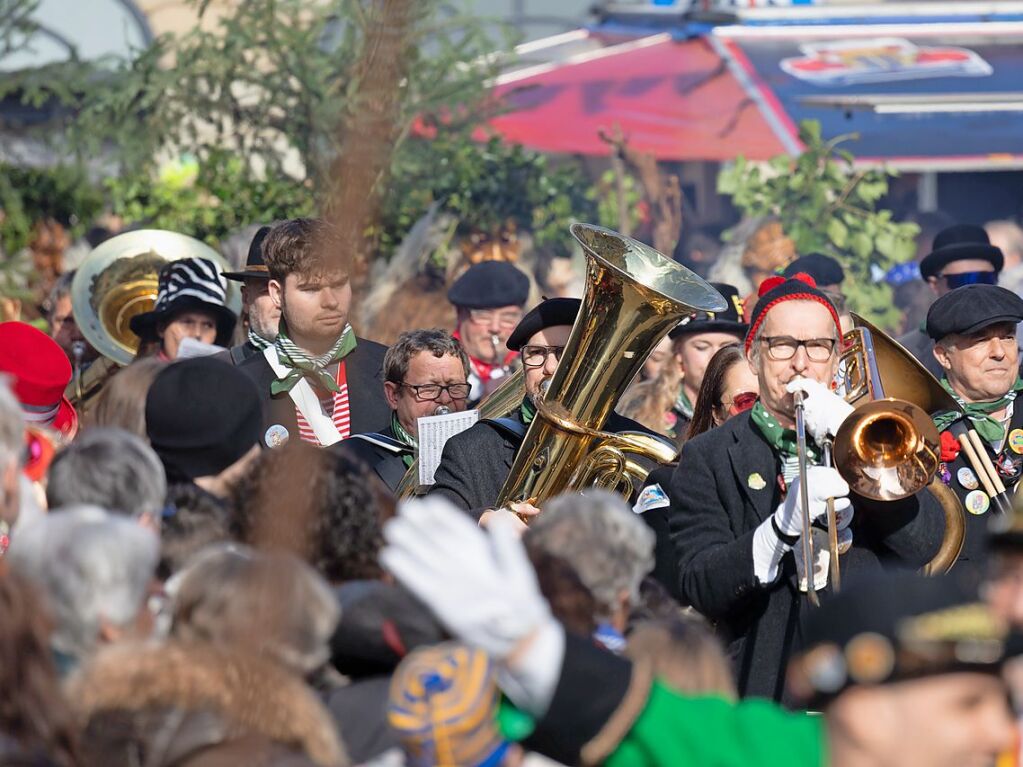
(714,513)
(387,461)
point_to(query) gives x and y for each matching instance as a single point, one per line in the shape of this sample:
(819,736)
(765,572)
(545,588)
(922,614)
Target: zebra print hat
(185,285)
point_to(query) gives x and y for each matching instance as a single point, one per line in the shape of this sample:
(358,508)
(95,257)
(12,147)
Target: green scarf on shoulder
(301,364)
(990,429)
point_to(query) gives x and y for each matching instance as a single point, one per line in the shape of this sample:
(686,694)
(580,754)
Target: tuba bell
(888,448)
(634,296)
(117,281)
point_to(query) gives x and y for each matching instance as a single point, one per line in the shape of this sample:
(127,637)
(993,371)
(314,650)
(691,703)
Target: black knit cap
(972,308)
(892,626)
(489,285)
(202,415)
(825,270)
(546,314)
(255,266)
(776,290)
(960,243)
(728,321)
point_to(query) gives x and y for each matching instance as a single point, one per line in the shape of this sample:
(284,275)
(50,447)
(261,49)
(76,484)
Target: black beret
(890,626)
(825,270)
(728,321)
(546,314)
(972,307)
(960,243)
(489,285)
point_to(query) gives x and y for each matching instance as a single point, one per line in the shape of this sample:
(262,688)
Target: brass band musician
(735,515)
(974,332)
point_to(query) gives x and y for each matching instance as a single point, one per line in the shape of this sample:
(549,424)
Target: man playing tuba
(475,463)
(735,516)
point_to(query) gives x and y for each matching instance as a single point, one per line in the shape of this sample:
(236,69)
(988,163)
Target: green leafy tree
(827,205)
(266,102)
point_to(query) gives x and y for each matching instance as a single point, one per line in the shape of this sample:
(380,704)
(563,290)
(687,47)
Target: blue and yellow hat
(443,705)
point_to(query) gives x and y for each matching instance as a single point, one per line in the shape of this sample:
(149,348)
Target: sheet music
(434,431)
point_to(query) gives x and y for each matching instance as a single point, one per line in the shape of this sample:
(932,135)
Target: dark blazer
(475,463)
(387,462)
(714,513)
(236,355)
(974,552)
(365,389)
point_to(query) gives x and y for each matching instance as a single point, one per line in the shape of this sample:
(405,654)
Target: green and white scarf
(258,341)
(781,440)
(405,438)
(303,365)
(990,429)
(683,405)
(527,411)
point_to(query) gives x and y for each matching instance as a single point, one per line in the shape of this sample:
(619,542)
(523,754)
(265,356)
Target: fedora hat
(959,243)
(184,285)
(255,266)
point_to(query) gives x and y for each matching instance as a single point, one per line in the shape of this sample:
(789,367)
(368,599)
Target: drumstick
(979,469)
(989,467)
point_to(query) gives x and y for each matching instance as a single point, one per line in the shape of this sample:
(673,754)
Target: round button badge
(276,436)
(1016,440)
(977,502)
(967,478)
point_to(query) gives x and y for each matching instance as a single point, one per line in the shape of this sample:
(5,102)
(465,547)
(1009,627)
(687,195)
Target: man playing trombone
(737,520)
(974,330)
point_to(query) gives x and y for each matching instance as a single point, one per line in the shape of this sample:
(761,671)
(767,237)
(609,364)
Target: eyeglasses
(432,392)
(969,278)
(781,348)
(741,402)
(486,317)
(536,356)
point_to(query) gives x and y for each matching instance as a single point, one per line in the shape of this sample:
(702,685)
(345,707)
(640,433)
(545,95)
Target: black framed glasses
(534,356)
(432,392)
(781,348)
(969,278)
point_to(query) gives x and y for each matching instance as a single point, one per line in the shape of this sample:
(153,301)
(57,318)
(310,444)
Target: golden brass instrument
(888,448)
(117,281)
(634,296)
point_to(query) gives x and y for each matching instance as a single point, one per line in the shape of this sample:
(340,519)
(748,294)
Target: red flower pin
(950,447)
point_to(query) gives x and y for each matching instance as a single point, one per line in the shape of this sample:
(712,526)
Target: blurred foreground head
(908,671)
(94,571)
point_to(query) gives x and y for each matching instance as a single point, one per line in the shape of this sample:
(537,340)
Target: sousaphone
(118,280)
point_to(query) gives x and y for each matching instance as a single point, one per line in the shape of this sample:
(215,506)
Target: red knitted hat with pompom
(776,290)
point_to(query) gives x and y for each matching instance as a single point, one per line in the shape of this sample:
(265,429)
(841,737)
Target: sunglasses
(742,402)
(969,278)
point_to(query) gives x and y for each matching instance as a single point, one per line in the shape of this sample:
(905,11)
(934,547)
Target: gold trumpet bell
(887,449)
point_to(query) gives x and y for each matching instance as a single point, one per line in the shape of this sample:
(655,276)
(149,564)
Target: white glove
(822,483)
(483,588)
(823,410)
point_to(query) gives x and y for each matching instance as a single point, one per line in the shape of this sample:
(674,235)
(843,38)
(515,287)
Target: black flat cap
(728,321)
(255,266)
(972,307)
(891,626)
(960,243)
(489,285)
(202,415)
(546,314)
(825,270)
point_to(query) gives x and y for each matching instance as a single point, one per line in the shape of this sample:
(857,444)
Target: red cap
(778,289)
(41,372)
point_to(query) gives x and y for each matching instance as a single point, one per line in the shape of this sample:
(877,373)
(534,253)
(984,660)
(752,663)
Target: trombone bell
(887,449)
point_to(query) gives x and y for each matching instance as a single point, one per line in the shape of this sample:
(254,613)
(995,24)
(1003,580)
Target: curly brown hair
(304,246)
(324,506)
